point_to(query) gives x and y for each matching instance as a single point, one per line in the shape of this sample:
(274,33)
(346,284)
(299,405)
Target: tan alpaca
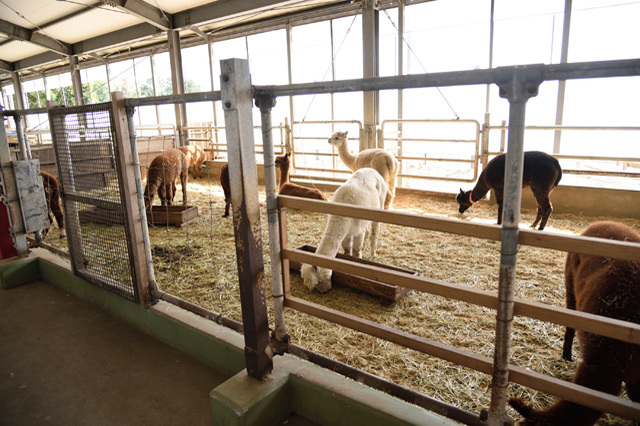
(378,159)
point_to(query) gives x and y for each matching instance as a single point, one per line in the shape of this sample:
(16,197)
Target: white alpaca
(364,188)
(378,159)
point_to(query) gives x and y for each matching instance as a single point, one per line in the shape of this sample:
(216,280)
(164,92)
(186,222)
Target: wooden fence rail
(608,327)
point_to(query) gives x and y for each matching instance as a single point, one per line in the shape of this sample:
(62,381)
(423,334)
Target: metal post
(370,69)
(76,80)
(25,153)
(280,341)
(564,56)
(517,88)
(237,96)
(175,59)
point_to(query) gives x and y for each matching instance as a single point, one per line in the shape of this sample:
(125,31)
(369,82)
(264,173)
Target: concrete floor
(65,362)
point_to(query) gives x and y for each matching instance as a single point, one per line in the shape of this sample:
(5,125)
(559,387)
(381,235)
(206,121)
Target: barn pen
(518,84)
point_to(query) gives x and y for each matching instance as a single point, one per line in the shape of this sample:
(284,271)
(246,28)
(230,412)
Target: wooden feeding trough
(172,215)
(385,291)
(159,215)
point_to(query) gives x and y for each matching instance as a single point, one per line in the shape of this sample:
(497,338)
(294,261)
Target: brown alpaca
(607,287)
(283,162)
(161,178)
(226,188)
(196,156)
(52,195)
(378,159)
(541,172)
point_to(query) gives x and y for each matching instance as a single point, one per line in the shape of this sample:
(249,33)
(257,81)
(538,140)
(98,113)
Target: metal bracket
(520,83)
(265,101)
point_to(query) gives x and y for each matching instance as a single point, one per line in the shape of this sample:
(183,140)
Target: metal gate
(91,173)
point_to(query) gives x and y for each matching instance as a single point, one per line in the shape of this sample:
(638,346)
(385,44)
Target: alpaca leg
(183,180)
(375,229)
(347,245)
(498,195)
(227,204)
(544,208)
(538,218)
(164,191)
(391,193)
(570,296)
(57,212)
(358,242)
(569,413)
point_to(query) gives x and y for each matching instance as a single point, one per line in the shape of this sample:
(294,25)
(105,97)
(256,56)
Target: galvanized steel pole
(280,341)
(237,98)
(517,88)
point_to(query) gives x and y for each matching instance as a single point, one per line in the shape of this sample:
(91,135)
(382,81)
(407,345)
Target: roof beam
(224,9)
(17,32)
(120,37)
(6,66)
(149,13)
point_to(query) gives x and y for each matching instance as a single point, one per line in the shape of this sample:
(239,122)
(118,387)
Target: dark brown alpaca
(196,156)
(606,287)
(161,178)
(52,195)
(283,162)
(541,172)
(226,187)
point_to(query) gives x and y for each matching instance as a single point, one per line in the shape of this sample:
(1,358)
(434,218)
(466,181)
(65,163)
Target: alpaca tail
(559,169)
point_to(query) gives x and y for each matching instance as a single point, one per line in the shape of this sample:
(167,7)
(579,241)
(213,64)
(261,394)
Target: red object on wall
(6,242)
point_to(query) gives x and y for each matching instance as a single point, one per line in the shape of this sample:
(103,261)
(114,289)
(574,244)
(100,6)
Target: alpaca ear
(461,191)
(345,133)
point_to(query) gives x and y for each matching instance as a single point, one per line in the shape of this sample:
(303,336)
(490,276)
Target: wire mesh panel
(91,188)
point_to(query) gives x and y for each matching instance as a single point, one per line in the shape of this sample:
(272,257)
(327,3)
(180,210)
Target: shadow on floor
(65,362)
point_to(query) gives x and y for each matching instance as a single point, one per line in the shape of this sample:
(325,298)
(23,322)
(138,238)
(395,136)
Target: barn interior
(451,317)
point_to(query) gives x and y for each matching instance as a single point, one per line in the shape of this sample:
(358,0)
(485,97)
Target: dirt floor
(197,263)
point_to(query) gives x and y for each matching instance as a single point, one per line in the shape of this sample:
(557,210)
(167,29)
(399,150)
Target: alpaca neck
(481,189)
(347,158)
(334,233)
(284,174)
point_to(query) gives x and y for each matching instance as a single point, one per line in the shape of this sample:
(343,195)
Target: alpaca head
(316,278)
(464,199)
(338,139)
(283,159)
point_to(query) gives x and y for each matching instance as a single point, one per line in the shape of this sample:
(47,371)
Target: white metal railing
(432,157)
(592,165)
(213,139)
(322,162)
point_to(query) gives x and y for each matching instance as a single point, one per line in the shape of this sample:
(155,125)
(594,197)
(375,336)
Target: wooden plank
(575,393)
(394,277)
(569,391)
(130,198)
(607,327)
(448,353)
(576,244)
(603,326)
(385,291)
(237,101)
(284,244)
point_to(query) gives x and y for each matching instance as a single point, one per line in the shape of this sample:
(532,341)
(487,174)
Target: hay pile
(197,262)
